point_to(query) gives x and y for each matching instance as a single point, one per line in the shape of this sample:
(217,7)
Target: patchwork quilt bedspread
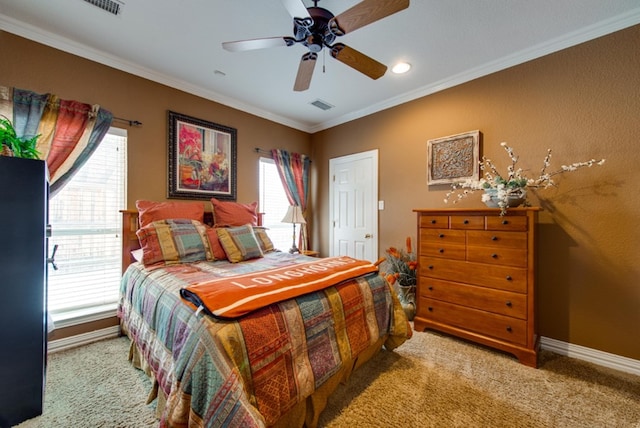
(250,371)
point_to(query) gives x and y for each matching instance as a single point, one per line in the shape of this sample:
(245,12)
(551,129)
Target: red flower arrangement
(400,266)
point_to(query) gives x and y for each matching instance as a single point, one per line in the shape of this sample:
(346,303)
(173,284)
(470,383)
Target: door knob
(368,236)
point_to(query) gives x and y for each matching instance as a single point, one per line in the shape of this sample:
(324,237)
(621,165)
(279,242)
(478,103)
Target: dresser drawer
(457,252)
(442,236)
(466,222)
(486,323)
(500,277)
(500,256)
(490,238)
(434,221)
(514,223)
(486,299)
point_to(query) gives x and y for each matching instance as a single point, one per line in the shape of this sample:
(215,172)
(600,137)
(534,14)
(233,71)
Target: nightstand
(310,253)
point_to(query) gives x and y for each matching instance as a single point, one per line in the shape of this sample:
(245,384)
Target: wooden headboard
(130,241)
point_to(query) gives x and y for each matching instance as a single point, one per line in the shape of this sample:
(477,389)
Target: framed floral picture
(202,159)
(454,158)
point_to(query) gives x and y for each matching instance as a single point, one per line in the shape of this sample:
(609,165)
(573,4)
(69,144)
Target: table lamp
(294,216)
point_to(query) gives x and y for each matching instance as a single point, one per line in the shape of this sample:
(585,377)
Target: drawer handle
(505,221)
(466,221)
(509,303)
(430,288)
(441,235)
(441,250)
(433,222)
(509,278)
(430,309)
(494,238)
(509,329)
(494,255)
(430,266)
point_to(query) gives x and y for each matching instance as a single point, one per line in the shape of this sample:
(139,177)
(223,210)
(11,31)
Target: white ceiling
(448,42)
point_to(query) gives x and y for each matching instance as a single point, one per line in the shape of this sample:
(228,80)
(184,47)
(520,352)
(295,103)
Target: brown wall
(583,102)
(45,70)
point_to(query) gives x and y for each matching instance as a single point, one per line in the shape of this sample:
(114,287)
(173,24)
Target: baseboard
(600,358)
(82,339)
(605,359)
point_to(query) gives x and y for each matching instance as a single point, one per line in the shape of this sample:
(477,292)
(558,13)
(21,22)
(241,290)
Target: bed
(269,356)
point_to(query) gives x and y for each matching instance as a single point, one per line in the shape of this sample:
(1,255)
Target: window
(274,205)
(86,225)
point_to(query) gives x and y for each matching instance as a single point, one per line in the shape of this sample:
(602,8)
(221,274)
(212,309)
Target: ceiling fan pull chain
(324,56)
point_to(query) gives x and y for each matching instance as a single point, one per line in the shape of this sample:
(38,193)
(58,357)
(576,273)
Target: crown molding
(58,42)
(585,34)
(565,41)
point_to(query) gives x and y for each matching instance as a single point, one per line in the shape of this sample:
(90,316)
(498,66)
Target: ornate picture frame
(202,159)
(454,158)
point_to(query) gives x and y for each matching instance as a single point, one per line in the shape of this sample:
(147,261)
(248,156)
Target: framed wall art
(202,159)
(454,158)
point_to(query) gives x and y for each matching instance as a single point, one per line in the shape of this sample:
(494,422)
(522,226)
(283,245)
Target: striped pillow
(174,241)
(239,243)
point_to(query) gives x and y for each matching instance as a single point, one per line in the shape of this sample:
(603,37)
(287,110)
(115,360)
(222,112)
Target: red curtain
(293,169)
(69,131)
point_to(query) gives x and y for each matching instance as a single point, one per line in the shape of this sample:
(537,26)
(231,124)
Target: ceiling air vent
(111,6)
(323,105)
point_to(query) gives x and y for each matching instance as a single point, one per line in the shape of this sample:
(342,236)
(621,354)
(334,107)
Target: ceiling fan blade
(252,44)
(305,71)
(364,13)
(296,8)
(358,61)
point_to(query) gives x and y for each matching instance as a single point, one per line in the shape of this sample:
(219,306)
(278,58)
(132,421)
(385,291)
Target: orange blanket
(238,295)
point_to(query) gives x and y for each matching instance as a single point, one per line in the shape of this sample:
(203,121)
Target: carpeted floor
(430,381)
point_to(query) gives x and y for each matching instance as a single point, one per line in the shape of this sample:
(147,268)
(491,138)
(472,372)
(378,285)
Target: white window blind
(274,204)
(86,225)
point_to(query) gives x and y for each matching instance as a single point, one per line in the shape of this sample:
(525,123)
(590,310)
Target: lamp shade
(294,215)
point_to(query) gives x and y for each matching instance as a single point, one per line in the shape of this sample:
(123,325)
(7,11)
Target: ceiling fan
(316,28)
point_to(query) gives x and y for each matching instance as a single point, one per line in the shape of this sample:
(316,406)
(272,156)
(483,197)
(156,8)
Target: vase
(407,297)
(6,151)
(515,198)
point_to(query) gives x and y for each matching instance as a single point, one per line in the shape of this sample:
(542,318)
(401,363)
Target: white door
(353,196)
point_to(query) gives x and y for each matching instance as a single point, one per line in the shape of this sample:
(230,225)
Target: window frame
(98,311)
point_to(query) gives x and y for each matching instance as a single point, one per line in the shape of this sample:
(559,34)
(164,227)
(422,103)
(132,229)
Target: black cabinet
(23,295)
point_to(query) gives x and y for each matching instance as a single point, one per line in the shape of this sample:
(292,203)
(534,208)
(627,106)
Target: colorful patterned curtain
(293,169)
(69,131)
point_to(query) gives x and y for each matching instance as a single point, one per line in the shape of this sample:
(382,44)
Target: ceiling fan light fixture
(401,68)
(316,28)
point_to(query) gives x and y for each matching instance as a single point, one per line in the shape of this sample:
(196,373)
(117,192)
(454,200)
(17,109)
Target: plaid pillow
(263,239)
(173,241)
(239,243)
(214,243)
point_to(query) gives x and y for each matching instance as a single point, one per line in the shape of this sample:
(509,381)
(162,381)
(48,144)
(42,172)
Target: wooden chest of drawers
(476,277)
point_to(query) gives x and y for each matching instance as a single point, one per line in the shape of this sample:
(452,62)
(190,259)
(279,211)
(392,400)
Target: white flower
(515,181)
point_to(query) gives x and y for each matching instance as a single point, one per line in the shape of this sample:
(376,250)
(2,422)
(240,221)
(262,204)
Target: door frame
(372,154)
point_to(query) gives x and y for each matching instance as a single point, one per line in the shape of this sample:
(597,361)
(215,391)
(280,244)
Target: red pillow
(233,213)
(150,211)
(214,244)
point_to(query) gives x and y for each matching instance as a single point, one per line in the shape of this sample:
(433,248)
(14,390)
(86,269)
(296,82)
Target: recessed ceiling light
(401,67)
